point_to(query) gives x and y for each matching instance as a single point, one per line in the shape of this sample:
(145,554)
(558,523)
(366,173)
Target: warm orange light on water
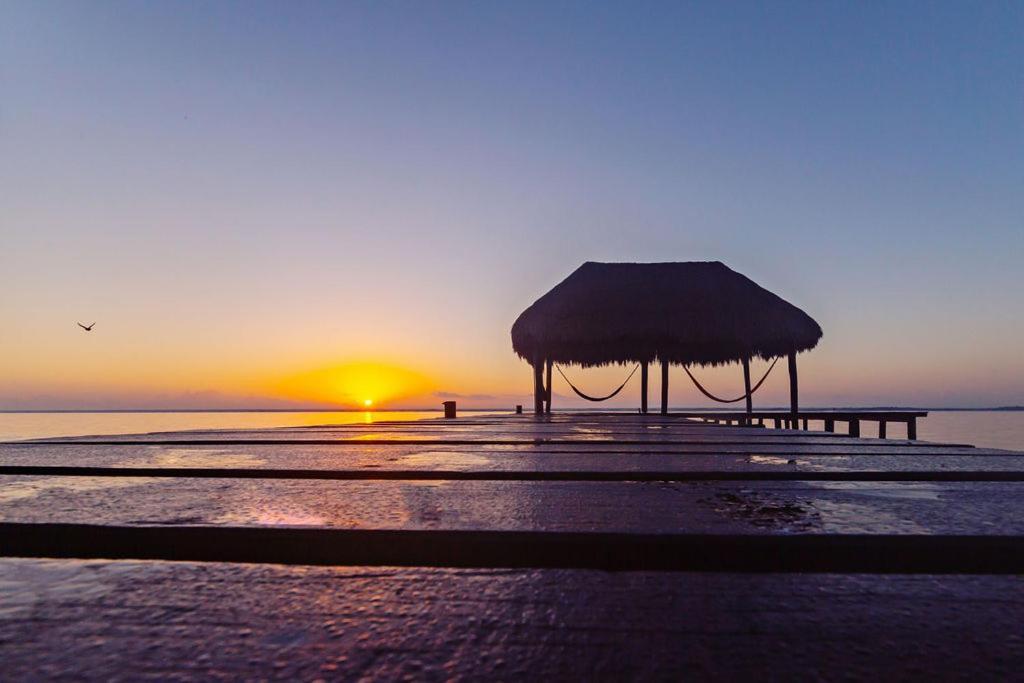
(351,384)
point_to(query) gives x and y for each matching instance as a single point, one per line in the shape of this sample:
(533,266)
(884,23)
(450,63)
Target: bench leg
(912,428)
(881,429)
(854,427)
(830,426)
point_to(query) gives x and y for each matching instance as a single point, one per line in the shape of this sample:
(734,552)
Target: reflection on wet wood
(666,502)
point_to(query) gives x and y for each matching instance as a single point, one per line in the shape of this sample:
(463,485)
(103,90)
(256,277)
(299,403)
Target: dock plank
(620,428)
(519,458)
(640,507)
(157,620)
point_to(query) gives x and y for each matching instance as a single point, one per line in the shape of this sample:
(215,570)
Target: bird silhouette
(87,328)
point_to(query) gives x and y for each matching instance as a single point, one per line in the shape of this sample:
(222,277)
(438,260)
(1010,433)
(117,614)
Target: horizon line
(1008,408)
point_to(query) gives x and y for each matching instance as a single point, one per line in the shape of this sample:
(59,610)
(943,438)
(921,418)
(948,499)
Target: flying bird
(87,328)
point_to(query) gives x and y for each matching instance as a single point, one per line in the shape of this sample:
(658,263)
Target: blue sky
(244,191)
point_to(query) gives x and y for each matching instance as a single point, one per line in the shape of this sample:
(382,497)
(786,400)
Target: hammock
(730,400)
(595,399)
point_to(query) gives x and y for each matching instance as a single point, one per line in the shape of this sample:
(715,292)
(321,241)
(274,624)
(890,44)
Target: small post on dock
(449,410)
(911,428)
(881,429)
(547,390)
(643,387)
(538,386)
(794,401)
(664,387)
(746,387)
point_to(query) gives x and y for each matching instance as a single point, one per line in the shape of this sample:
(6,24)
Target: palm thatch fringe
(699,313)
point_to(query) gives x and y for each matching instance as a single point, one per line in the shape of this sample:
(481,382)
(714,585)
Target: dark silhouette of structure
(688,313)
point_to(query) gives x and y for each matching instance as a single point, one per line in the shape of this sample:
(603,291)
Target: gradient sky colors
(260,203)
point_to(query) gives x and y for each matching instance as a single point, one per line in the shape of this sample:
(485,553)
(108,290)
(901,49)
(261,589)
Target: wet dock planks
(587,545)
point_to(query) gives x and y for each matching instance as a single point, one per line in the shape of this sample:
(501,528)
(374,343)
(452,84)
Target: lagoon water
(37,425)
(993,429)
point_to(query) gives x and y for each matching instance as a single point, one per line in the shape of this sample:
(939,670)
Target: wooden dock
(508,547)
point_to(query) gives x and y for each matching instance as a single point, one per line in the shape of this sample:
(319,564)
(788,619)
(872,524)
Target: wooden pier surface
(507,547)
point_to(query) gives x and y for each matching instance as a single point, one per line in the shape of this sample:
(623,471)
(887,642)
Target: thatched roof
(695,312)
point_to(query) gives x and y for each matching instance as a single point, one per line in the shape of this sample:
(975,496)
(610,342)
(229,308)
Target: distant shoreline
(1008,409)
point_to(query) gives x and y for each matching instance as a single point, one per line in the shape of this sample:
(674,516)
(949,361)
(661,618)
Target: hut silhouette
(687,313)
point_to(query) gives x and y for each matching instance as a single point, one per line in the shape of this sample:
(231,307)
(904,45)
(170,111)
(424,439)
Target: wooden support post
(854,427)
(805,424)
(643,387)
(830,425)
(912,428)
(778,423)
(794,401)
(547,388)
(664,387)
(746,385)
(881,429)
(538,387)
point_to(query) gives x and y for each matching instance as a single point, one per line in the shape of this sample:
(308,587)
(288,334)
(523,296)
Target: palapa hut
(700,313)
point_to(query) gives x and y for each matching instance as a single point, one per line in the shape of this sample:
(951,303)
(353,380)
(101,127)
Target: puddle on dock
(275,516)
(764,510)
(23,488)
(27,583)
(836,509)
(362,506)
(446,458)
(896,490)
(844,517)
(591,433)
(193,457)
(835,463)
(386,436)
(776,460)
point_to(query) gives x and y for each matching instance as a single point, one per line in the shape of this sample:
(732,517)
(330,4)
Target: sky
(291,204)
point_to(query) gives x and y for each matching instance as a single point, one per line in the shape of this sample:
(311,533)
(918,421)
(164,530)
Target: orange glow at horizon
(361,384)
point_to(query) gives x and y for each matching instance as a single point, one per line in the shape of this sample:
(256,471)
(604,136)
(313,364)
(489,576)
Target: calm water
(39,425)
(995,429)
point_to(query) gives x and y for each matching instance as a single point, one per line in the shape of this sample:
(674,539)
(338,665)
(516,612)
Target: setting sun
(350,384)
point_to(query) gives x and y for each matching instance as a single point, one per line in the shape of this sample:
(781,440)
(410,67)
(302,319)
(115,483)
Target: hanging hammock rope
(595,399)
(731,400)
